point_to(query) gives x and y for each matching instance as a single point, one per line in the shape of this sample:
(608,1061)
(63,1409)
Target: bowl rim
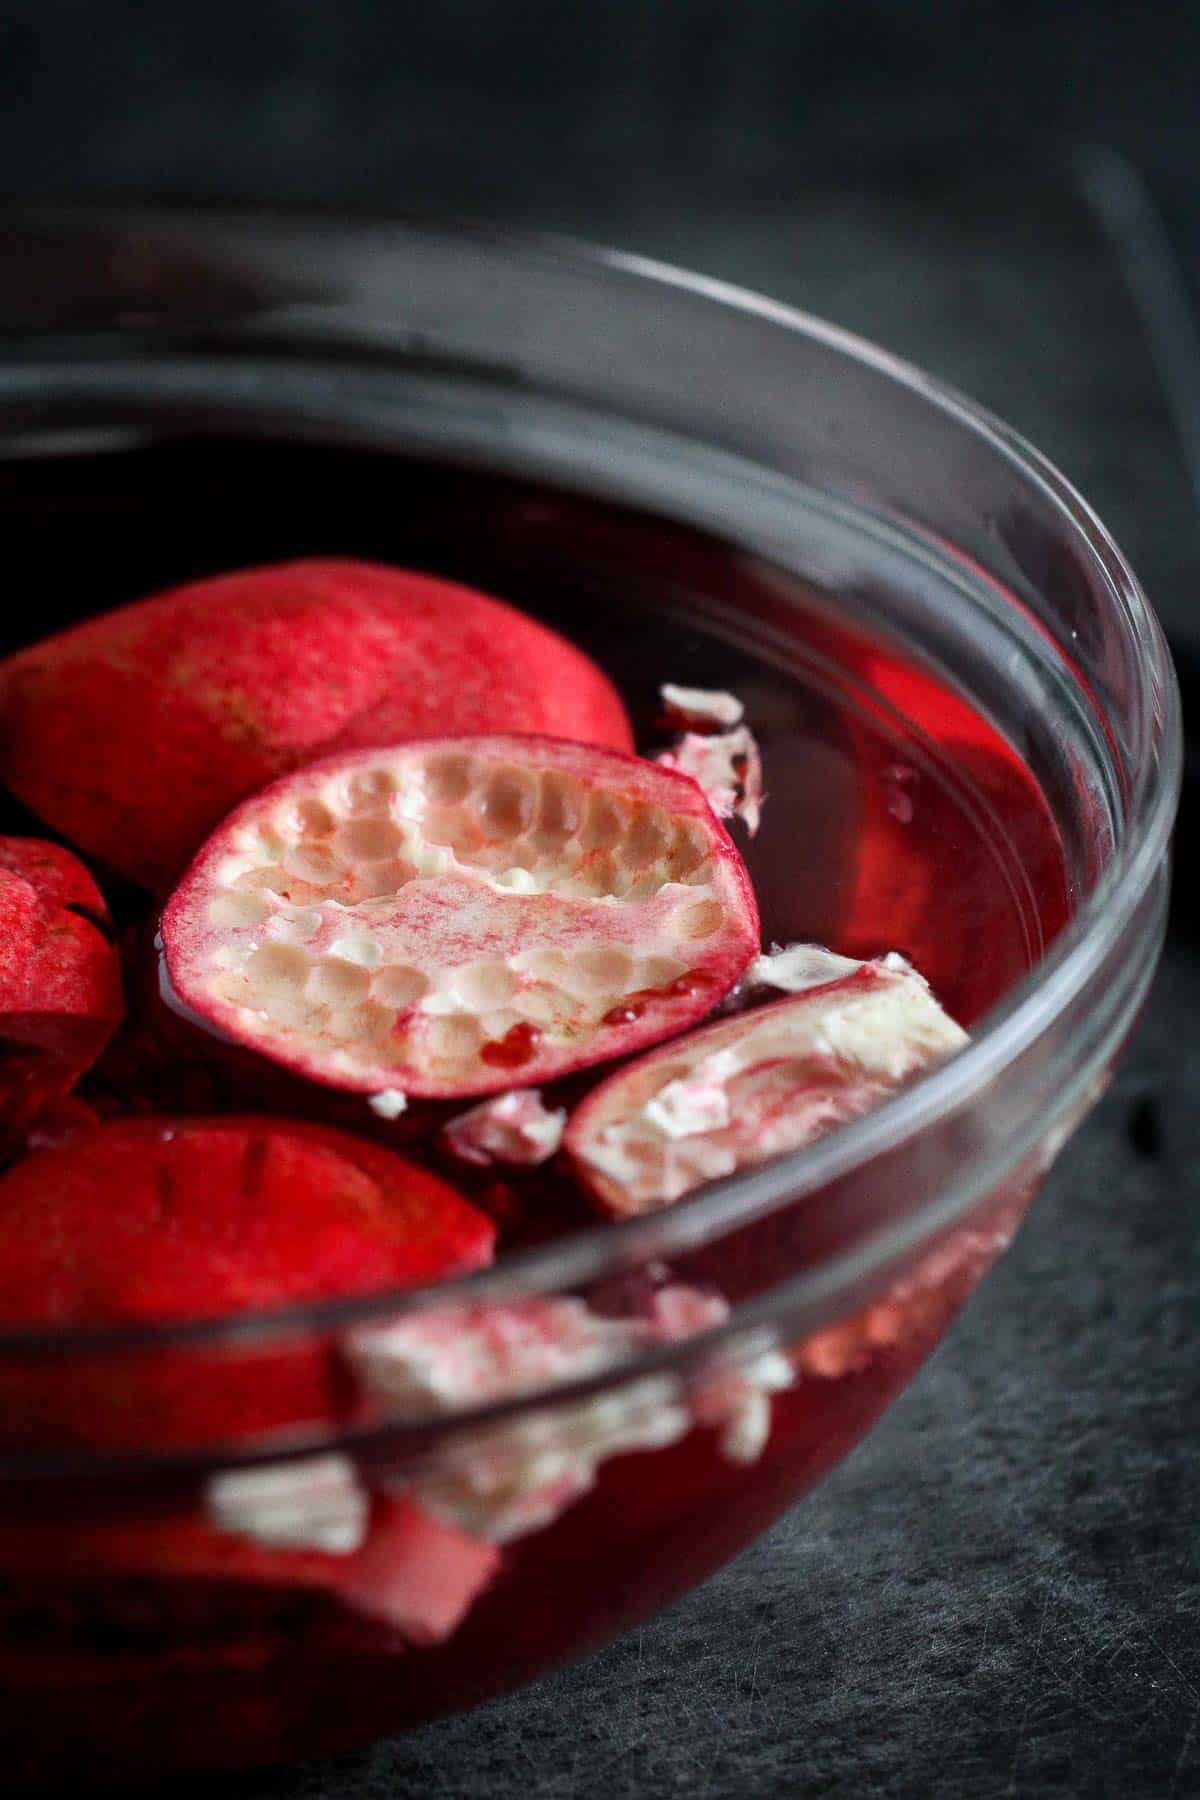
(1010,1028)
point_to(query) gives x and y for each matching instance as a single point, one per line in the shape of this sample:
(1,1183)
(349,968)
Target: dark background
(522,108)
(998,1594)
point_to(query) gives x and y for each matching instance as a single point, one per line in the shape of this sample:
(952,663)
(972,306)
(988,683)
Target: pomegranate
(60,984)
(459,916)
(760,1083)
(135,732)
(156,1220)
(312,1523)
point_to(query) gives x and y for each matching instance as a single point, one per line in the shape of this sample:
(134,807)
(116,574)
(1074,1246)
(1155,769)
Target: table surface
(997,1594)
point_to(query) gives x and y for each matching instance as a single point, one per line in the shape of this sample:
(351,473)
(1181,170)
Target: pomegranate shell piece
(60,983)
(757,1085)
(136,732)
(454,917)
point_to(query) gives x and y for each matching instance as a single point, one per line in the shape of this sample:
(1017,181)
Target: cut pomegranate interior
(60,984)
(460,916)
(135,732)
(153,1219)
(757,1085)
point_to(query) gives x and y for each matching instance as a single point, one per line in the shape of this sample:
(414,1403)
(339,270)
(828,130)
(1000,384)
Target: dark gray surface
(998,1594)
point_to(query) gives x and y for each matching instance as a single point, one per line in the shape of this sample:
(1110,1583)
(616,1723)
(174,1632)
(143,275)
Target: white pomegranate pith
(704,708)
(316,1503)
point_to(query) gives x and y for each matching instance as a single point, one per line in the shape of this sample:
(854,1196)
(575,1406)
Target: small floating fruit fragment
(291,1528)
(512,1128)
(153,1220)
(60,983)
(312,1523)
(728,766)
(701,709)
(457,917)
(135,732)
(757,1085)
(414,1572)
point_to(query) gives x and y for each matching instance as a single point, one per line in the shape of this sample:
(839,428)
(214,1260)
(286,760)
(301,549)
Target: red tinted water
(897,818)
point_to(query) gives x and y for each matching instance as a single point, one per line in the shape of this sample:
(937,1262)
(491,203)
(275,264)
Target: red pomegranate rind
(135,732)
(60,1121)
(60,981)
(412,1574)
(755,1086)
(147,1220)
(462,916)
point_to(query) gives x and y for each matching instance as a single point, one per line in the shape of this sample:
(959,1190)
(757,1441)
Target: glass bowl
(789,499)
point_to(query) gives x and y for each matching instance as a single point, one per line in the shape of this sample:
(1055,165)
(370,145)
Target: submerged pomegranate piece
(461,916)
(60,985)
(278,1529)
(755,1086)
(135,732)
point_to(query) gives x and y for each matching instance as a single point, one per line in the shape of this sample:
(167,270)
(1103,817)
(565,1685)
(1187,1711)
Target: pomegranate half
(455,917)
